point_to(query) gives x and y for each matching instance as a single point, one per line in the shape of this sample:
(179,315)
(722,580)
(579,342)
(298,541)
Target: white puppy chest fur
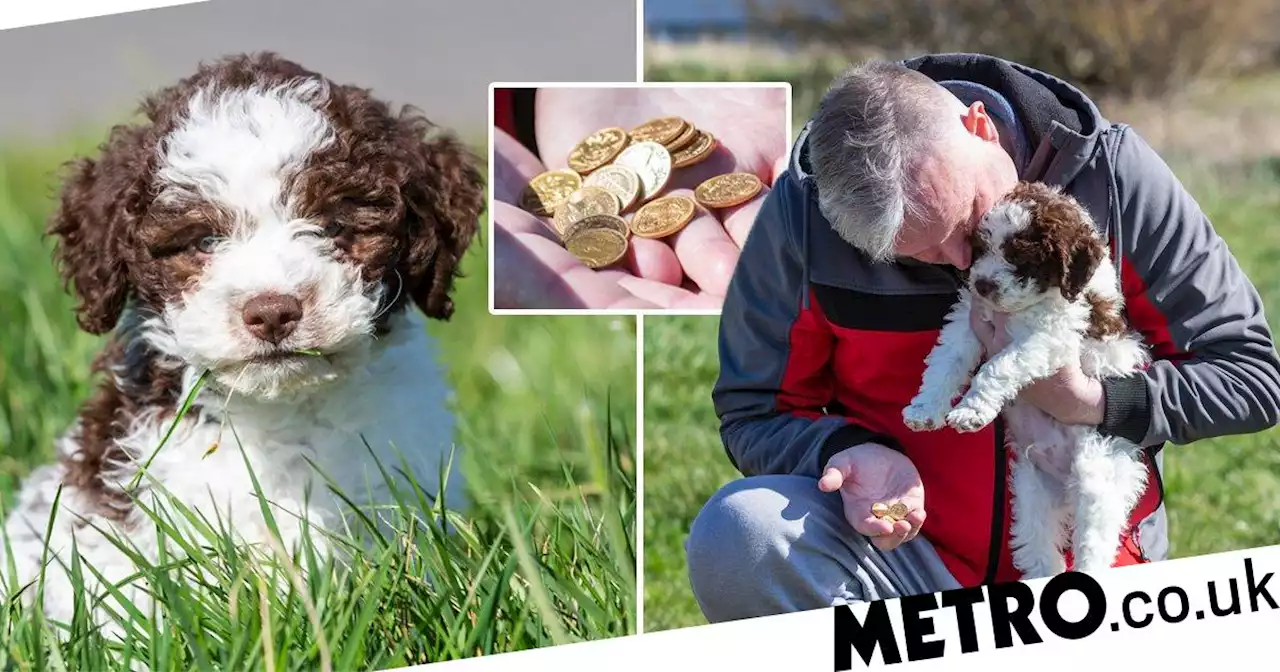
(290,236)
(1038,259)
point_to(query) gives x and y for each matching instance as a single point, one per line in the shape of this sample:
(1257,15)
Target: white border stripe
(640,40)
(640,350)
(807,640)
(19,13)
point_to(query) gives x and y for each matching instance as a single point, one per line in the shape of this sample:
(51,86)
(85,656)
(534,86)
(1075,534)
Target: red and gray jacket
(821,349)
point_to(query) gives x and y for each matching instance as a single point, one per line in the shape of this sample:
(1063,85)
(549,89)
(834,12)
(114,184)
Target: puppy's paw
(923,417)
(1037,561)
(970,418)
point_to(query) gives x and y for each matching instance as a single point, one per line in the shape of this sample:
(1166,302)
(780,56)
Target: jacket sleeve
(775,379)
(1219,374)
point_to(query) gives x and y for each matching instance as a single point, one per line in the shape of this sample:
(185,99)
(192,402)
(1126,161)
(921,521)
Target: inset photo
(254,411)
(628,197)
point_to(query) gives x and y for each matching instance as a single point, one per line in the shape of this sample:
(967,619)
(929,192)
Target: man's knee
(740,540)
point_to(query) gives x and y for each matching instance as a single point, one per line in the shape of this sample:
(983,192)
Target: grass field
(546,410)
(685,460)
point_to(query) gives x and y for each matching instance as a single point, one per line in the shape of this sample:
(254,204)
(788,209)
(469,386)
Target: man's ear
(979,123)
(101,202)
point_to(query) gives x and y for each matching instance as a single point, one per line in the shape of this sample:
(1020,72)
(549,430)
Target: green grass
(545,406)
(1222,494)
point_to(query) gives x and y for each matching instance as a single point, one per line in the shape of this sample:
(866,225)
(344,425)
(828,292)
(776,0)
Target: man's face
(957,184)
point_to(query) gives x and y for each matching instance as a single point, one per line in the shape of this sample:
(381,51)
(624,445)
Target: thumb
(831,480)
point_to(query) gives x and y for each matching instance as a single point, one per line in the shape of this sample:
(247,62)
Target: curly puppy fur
(1038,258)
(273,231)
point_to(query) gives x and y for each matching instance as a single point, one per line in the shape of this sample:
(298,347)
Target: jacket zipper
(997,511)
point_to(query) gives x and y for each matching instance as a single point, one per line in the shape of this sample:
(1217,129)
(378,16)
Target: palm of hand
(745,121)
(880,476)
(867,474)
(688,270)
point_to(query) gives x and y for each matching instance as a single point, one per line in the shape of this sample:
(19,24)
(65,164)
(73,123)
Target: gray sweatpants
(769,545)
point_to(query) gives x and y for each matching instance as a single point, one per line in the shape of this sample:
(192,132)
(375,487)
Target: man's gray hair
(871,127)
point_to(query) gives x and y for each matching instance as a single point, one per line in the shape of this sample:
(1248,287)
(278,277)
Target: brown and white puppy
(1039,259)
(282,236)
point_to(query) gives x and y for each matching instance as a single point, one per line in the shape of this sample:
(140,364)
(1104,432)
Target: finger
(876,528)
(513,166)
(660,294)
(706,252)
(916,520)
(739,220)
(894,538)
(831,480)
(516,220)
(533,272)
(779,167)
(885,543)
(644,258)
(654,260)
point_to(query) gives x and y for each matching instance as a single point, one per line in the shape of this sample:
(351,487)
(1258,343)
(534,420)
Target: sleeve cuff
(851,435)
(1127,408)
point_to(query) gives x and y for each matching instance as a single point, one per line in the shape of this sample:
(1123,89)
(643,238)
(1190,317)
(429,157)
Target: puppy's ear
(444,198)
(1084,257)
(101,202)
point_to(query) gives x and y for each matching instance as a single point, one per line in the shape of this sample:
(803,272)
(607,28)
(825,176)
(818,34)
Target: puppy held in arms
(1039,260)
(275,243)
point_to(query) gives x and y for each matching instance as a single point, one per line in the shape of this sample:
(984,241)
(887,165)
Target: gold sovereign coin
(547,191)
(698,149)
(661,130)
(583,203)
(898,511)
(652,162)
(726,191)
(663,217)
(604,221)
(597,149)
(879,510)
(690,132)
(620,181)
(596,246)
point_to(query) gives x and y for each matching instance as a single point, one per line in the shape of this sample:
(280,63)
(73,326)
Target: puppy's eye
(334,227)
(208,244)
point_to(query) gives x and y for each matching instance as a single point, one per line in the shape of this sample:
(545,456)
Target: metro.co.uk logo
(1008,610)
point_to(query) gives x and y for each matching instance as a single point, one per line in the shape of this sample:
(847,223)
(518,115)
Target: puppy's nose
(984,287)
(271,316)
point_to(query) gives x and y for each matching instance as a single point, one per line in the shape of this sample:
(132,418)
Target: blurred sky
(439,55)
(663,11)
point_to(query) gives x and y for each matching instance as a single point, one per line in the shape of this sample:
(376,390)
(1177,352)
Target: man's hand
(869,473)
(1069,396)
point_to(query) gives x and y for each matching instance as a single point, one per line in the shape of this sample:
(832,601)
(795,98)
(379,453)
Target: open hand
(690,269)
(869,473)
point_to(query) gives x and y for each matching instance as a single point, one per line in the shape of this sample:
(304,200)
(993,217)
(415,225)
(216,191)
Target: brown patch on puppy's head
(1059,246)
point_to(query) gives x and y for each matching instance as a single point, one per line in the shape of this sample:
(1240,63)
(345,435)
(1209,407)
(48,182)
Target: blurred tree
(1124,47)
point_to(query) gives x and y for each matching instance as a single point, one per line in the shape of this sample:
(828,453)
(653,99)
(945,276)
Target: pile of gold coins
(890,512)
(612,188)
